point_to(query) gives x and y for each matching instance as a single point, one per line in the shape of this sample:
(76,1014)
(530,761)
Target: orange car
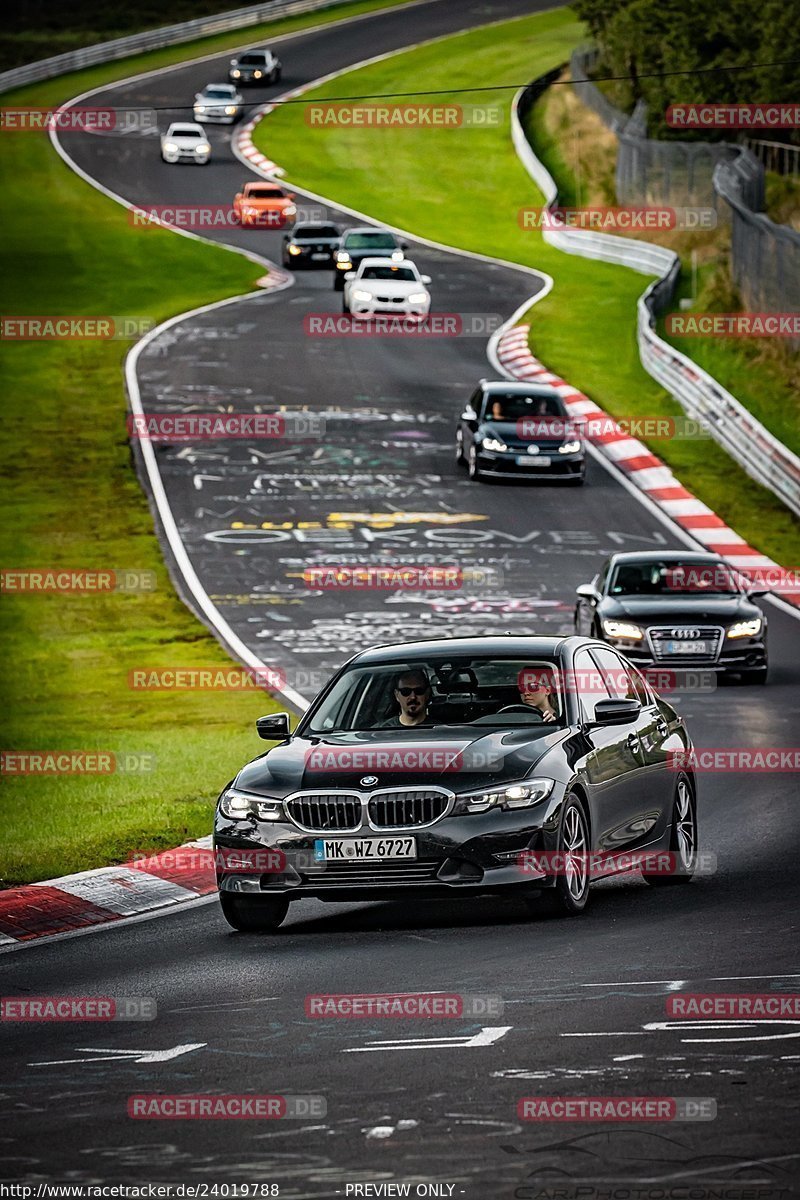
(264,204)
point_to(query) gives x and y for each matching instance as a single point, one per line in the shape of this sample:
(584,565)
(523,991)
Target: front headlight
(199,108)
(170,148)
(622,629)
(236,74)
(495,444)
(745,628)
(398,255)
(360,294)
(343,257)
(294,249)
(203,148)
(418,298)
(256,74)
(569,448)
(510,795)
(230,110)
(237,805)
(290,210)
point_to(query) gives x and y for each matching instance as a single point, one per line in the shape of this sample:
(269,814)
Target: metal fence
(765,257)
(748,442)
(155,39)
(779,157)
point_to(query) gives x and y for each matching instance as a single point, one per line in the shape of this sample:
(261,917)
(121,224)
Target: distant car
(311,245)
(185,143)
(365,242)
(484,794)
(519,430)
(264,204)
(381,285)
(676,607)
(255,66)
(218,102)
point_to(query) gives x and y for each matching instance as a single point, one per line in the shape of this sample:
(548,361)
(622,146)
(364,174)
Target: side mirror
(616,712)
(273,728)
(588,591)
(425,278)
(290,196)
(469,414)
(350,274)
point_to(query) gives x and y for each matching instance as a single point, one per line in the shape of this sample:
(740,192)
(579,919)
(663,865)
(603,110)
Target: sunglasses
(419,691)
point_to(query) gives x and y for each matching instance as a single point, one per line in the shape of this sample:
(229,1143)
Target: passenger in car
(537,690)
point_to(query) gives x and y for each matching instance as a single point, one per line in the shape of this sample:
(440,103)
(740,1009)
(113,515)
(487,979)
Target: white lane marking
(701,1027)
(485,1037)
(110,1055)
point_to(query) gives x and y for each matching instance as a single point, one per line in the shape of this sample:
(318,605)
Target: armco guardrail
(155,39)
(764,458)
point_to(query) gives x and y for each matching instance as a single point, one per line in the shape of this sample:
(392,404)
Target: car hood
(457,758)
(386,287)
(185,143)
(668,610)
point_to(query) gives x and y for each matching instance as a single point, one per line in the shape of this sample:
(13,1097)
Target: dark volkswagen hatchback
(461,767)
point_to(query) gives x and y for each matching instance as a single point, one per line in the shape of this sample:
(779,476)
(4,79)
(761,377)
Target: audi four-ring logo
(684,633)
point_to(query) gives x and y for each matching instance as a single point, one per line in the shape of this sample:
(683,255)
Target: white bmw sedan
(381,285)
(218,102)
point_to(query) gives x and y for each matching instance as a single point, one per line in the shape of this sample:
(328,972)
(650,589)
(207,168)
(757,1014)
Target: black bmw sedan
(677,608)
(461,767)
(311,244)
(522,431)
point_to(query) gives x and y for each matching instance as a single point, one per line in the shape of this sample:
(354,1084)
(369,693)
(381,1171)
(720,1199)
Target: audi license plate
(363,849)
(704,648)
(539,461)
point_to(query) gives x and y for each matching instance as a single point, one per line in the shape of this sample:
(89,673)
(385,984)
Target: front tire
(682,841)
(459,448)
(253,914)
(758,675)
(570,895)
(345,306)
(473,469)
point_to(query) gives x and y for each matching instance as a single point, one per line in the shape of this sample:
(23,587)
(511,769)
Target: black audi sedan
(522,431)
(677,608)
(311,244)
(461,767)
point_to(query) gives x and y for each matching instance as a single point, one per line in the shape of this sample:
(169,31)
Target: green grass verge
(72,500)
(464,187)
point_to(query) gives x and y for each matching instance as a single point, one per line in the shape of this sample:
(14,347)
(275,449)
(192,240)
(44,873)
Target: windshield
(252,60)
(654,578)
(265,193)
(185,131)
(218,93)
(390,273)
(315,231)
(442,692)
(369,241)
(499,406)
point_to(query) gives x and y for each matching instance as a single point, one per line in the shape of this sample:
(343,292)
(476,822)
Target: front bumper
(266,220)
(461,854)
(215,118)
(373,308)
(504,465)
(736,654)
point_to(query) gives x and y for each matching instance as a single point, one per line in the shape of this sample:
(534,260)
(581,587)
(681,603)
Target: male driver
(412,691)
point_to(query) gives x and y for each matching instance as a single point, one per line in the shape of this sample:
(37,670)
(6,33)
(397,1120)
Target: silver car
(220,102)
(184,142)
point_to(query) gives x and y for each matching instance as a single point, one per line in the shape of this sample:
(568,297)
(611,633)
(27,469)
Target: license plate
(363,849)
(704,648)
(539,461)
(320,256)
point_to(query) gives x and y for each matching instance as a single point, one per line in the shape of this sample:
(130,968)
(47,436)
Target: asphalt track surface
(584,1000)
